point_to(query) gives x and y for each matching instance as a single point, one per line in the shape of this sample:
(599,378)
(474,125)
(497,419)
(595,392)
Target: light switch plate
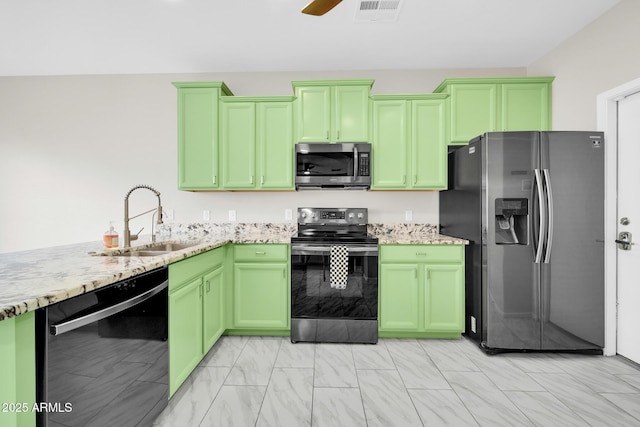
(206,215)
(408,215)
(232,215)
(168,214)
(288,214)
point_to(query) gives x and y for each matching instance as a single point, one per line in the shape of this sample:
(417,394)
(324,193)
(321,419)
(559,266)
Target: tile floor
(267,381)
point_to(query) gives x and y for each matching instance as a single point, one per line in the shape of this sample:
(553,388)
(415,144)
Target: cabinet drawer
(186,269)
(253,253)
(421,253)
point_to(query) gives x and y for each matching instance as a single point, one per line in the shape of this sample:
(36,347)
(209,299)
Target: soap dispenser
(110,237)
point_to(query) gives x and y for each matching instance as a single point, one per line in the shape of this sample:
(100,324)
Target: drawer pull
(261,253)
(421,253)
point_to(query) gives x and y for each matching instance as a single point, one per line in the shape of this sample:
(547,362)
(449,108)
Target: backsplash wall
(72,146)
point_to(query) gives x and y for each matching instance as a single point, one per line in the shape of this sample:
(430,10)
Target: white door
(628,341)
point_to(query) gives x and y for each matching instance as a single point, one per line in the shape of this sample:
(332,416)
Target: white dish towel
(339,266)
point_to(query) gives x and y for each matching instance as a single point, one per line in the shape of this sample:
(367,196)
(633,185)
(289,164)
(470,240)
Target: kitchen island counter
(37,278)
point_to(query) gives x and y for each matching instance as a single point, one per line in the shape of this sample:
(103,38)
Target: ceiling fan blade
(320,7)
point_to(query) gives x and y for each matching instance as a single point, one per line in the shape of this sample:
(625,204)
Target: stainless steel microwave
(333,166)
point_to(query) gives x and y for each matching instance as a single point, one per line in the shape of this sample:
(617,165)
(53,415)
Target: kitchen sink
(155,249)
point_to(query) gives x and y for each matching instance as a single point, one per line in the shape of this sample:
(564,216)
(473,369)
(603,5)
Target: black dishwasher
(103,356)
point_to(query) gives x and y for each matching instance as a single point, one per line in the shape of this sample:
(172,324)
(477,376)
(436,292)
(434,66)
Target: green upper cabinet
(479,105)
(332,110)
(409,142)
(198,134)
(256,141)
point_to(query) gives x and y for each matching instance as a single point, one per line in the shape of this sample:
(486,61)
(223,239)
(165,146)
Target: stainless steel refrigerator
(532,206)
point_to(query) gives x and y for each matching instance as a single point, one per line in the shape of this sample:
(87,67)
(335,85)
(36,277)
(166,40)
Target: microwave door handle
(355,161)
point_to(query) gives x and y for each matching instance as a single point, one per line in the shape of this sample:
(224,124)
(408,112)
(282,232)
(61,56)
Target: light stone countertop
(37,278)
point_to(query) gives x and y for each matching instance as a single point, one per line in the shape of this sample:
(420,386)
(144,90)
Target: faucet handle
(135,236)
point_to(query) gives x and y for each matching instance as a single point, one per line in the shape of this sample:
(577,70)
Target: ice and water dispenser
(512,221)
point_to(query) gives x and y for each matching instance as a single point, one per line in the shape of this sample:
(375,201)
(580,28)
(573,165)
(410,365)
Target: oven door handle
(314,250)
(70,325)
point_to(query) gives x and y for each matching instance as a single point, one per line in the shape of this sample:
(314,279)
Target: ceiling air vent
(377,10)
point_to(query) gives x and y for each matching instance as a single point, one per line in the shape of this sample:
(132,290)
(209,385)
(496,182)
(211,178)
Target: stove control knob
(360,215)
(313,215)
(351,215)
(303,215)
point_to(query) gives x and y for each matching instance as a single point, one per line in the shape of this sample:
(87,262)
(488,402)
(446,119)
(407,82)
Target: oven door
(322,313)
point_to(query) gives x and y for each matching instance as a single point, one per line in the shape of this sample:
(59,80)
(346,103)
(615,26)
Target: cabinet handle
(208,286)
(261,253)
(261,179)
(338,136)
(421,253)
(415,179)
(251,179)
(327,135)
(215,178)
(404,179)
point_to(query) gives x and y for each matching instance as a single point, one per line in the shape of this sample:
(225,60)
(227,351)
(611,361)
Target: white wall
(598,58)
(72,146)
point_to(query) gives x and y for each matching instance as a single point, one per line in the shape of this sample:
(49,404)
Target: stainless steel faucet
(127,233)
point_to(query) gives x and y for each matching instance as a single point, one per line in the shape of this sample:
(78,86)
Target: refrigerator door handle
(542,216)
(547,182)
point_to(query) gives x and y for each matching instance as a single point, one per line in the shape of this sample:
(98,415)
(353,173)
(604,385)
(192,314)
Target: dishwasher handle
(70,325)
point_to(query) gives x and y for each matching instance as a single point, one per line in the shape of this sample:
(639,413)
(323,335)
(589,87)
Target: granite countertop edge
(30,280)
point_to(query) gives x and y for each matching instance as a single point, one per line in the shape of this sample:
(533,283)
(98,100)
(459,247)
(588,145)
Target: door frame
(607,121)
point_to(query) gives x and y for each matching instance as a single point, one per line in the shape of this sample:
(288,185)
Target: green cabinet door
(428,145)
(444,298)
(198,156)
(409,142)
(261,295)
(389,144)
(479,105)
(238,122)
(474,111)
(185,332)
(18,370)
(213,308)
(332,110)
(275,145)
(313,113)
(399,301)
(351,114)
(526,106)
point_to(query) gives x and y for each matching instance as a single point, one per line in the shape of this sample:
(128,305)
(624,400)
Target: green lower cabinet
(260,295)
(399,300)
(18,371)
(421,291)
(444,298)
(196,311)
(213,307)
(185,332)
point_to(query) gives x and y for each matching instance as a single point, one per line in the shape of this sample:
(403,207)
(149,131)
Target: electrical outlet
(206,215)
(408,215)
(168,214)
(232,215)
(288,214)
